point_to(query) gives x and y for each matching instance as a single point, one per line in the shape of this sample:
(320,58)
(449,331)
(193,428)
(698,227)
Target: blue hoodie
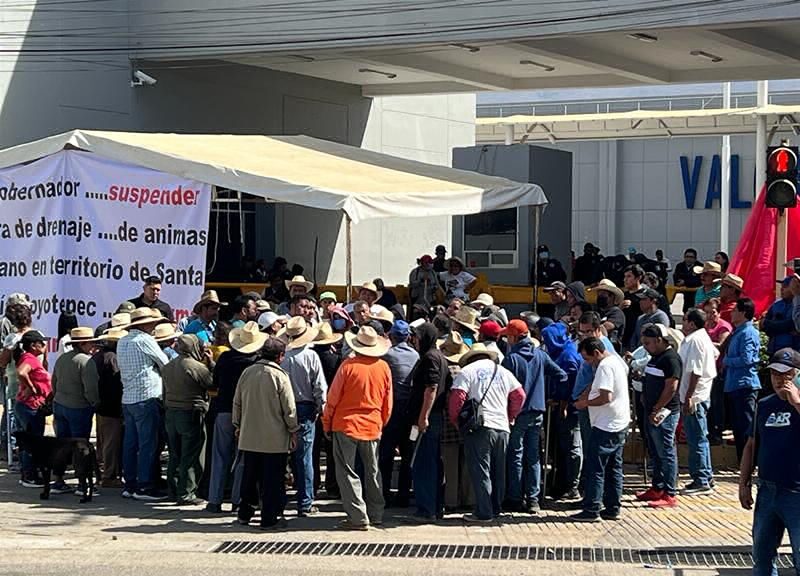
(564,352)
(530,366)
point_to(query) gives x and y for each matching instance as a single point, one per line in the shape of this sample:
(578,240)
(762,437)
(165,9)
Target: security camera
(142,79)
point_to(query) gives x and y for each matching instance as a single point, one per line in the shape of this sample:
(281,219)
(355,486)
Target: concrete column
(607,191)
(762,99)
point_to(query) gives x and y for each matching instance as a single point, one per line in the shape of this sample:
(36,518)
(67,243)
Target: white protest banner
(80,233)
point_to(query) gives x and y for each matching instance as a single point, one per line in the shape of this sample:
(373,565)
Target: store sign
(691,182)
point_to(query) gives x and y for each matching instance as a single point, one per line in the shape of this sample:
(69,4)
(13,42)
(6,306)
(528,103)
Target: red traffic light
(781,161)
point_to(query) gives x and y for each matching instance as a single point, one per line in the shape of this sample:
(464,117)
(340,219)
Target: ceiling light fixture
(707,55)
(389,75)
(643,37)
(302,58)
(468,47)
(544,67)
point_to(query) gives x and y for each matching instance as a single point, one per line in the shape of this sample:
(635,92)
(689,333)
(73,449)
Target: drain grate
(676,558)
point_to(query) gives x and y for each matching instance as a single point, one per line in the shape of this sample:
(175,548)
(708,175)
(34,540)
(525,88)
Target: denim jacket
(741,359)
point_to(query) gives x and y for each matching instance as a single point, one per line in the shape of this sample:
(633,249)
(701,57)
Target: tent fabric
(299,170)
(755,256)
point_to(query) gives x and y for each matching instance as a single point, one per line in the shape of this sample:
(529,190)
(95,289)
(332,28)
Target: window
(490,239)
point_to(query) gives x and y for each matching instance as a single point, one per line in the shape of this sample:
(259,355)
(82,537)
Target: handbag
(470,417)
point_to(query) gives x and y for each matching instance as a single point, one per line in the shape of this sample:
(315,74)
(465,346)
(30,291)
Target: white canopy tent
(301,170)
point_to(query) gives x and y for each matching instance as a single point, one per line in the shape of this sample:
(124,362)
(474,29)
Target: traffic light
(782,176)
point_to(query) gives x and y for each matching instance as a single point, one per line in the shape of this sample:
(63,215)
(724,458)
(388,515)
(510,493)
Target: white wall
(649,212)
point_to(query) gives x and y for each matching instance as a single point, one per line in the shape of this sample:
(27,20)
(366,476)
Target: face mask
(339,324)
(797,379)
(544,255)
(602,301)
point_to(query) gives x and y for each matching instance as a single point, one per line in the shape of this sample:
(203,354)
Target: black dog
(53,455)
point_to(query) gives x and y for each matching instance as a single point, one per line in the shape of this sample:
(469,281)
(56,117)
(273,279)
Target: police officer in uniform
(550,270)
(773,448)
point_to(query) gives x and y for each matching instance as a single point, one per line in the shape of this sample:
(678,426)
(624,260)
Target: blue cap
(786,281)
(400,329)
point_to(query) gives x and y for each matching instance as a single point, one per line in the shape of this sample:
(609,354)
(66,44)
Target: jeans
(142,424)
(663,453)
(523,444)
(696,428)
(72,422)
(31,421)
(264,477)
(604,471)
(186,437)
(225,455)
(394,436)
(362,502)
(303,456)
(570,453)
(777,510)
(485,451)
(428,470)
(743,407)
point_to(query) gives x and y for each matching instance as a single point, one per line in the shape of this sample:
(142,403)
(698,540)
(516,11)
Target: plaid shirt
(140,360)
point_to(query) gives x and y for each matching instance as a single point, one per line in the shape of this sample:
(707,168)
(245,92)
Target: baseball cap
(426,259)
(19,298)
(400,329)
(786,281)
(327,296)
(784,360)
(649,293)
(267,319)
(491,329)
(556,286)
(33,336)
(126,307)
(516,327)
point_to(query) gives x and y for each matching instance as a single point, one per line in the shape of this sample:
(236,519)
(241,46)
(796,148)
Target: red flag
(755,256)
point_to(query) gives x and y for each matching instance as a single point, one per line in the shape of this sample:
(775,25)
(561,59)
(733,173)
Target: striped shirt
(140,360)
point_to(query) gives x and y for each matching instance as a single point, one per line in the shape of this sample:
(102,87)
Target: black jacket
(109,384)
(431,371)
(160,305)
(227,372)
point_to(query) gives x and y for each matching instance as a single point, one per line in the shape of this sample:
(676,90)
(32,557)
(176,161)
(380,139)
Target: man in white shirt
(609,413)
(699,357)
(501,398)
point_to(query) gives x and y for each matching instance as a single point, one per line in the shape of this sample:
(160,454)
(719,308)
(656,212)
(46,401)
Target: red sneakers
(650,495)
(666,502)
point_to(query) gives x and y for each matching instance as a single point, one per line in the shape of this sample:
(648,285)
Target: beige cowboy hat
(326,335)
(367,342)
(380,314)
(370,287)
(165,332)
(247,339)
(485,299)
(468,318)
(145,315)
(119,320)
(81,334)
(298,333)
(209,296)
(453,347)
(299,281)
(607,285)
(263,306)
(708,268)
(478,349)
(733,281)
(113,335)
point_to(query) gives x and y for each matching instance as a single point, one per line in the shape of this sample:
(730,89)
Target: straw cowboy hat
(607,285)
(478,349)
(113,335)
(453,347)
(299,333)
(81,334)
(380,314)
(247,339)
(485,299)
(144,315)
(733,281)
(299,281)
(708,268)
(370,287)
(208,297)
(468,318)
(165,332)
(326,335)
(119,320)
(367,342)
(263,306)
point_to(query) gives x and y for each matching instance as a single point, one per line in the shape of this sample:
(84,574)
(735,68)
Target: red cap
(516,327)
(491,329)
(426,259)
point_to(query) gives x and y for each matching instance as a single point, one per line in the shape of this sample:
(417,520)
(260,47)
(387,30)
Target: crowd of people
(466,398)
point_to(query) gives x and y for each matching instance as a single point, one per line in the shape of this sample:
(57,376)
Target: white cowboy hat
(607,285)
(247,339)
(298,332)
(478,349)
(380,314)
(326,335)
(485,299)
(299,281)
(370,287)
(81,334)
(146,315)
(112,335)
(119,320)
(166,331)
(367,342)
(263,306)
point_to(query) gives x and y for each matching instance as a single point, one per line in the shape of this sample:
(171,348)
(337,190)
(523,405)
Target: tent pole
(349,249)
(536,217)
